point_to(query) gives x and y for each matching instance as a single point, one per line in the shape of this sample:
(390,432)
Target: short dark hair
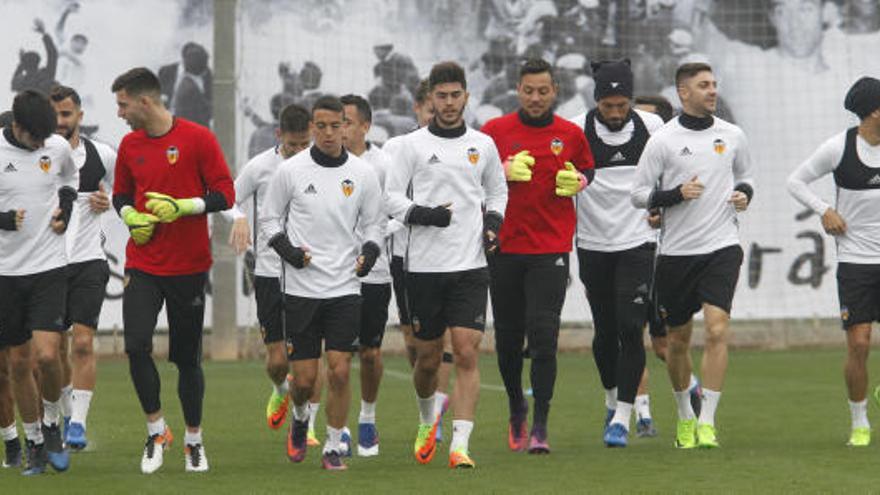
(536,66)
(294,118)
(446,72)
(363,107)
(422,91)
(138,81)
(664,108)
(6,118)
(327,102)
(687,71)
(59,93)
(32,111)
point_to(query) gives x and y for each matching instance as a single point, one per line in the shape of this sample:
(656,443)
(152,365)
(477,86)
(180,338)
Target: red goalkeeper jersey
(537,221)
(186,162)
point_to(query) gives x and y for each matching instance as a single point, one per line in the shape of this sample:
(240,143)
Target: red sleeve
(122,181)
(583,159)
(213,168)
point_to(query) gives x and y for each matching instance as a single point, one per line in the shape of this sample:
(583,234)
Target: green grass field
(783,421)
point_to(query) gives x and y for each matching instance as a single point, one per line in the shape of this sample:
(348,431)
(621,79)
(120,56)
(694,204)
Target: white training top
(30,180)
(84,239)
(719,158)
(858,207)
(251,184)
(320,209)
(381,272)
(398,231)
(607,220)
(465,171)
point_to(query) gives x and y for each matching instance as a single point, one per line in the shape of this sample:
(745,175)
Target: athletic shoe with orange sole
(154,451)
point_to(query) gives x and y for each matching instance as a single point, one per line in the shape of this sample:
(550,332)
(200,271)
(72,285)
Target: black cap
(863,97)
(612,78)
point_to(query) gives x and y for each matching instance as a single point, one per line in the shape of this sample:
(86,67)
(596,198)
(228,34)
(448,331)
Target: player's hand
(833,223)
(39,26)
(518,168)
(369,254)
(240,235)
(438,216)
(569,181)
(140,225)
(739,200)
(169,209)
(692,189)
(57,223)
(654,219)
(99,201)
(491,227)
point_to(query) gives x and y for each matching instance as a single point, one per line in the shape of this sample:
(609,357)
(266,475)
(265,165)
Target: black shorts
(858,288)
(270,308)
(398,281)
(184,298)
(86,288)
(453,299)
(374,314)
(336,321)
(684,283)
(31,302)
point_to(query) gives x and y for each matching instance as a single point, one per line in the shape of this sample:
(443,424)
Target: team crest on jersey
(172,154)
(45,163)
(347,187)
(473,155)
(719,146)
(556,146)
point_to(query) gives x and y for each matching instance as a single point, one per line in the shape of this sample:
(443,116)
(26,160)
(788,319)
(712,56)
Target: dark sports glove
(438,216)
(370,251)
(492,221)
(297,257)
(66,197)
(7,220)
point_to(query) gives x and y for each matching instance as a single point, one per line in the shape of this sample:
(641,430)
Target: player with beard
(547,163)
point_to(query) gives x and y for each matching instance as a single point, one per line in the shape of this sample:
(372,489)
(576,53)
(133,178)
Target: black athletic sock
(191,391)
(510,364)
(630,364)
(543,377)
(146,380)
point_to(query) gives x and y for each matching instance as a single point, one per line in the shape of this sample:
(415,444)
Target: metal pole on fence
(224,328)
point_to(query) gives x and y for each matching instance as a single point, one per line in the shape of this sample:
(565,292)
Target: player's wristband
(7,220)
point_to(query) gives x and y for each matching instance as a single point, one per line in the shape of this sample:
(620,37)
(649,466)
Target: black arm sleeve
(66,197)
(370,251)
(667,197)
(438,216)
(122,200)
(745,189)
(215,201)
(7,220)
(590,174)
(293,255)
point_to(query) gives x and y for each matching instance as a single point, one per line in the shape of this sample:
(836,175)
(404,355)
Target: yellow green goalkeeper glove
(169,209)
(140,225)
(569,181)
(519,167)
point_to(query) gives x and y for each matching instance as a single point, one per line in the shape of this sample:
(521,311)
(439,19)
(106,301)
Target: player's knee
(82,348)
(369,356)
(859,349)
(47,357)
(715,334)
(20,367)
(466,359)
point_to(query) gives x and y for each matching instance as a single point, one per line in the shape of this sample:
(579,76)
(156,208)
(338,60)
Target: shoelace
(195,454)
(150,446)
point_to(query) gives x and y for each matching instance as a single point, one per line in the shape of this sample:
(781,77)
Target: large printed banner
(783,67)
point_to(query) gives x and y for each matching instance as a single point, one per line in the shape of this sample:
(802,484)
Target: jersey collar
(326,160)
(542,121)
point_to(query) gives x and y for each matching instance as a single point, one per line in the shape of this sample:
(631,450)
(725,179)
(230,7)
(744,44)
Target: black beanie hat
(612,78)
(863,97)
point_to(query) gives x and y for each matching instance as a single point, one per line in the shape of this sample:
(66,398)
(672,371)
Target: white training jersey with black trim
(399,232)
(321,208)
(607,220)
(381,272)
(860,243)
(253,182)
(719,157)
(465,171)
(30,180)
(85,239)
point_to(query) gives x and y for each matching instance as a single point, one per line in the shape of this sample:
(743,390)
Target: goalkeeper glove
(169,209)
(569,181)
(140,225)
(518,168)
